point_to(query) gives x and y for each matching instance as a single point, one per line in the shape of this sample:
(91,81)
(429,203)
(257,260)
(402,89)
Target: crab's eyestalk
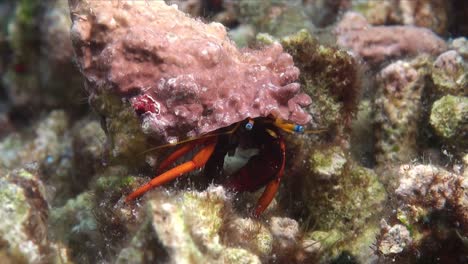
(299,129)
(289,127)
(249,125)
(295,128)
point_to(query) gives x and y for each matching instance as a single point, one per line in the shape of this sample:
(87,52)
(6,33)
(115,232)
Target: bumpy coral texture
(399,109)
(450,73)
(431,187)
(431,14)
(394,239)
(184,77)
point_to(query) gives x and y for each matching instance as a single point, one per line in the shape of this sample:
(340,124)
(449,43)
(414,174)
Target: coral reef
(379,176)
(461,46)
(362,149)
(75,226)
(45,145)
(394,239)
(278,18)
(184,79)
(343,209)
(449,118)
(41,61)
(329,76)
(224,12)
(202,226)
(399,109)
(125,139)
(428,193)
(323,12)
(376,44)
(449,74)
(57,149)
(340,201)
(432,188)
(432,14)
(24,230)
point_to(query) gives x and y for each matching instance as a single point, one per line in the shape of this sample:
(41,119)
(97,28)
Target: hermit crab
(187,79)
(264,168)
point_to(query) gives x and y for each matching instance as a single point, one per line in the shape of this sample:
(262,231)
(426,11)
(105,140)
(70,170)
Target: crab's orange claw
(267,196)
(199,160)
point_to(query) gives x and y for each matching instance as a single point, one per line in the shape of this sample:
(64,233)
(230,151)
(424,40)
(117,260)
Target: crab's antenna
(194,138)
(288,127)
(315,131)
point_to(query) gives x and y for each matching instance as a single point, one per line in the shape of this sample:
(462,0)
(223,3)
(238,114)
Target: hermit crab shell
(184,78)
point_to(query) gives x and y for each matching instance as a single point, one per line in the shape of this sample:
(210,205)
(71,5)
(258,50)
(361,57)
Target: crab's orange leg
(199,160)
(267,196)
(272,187)
(180,152)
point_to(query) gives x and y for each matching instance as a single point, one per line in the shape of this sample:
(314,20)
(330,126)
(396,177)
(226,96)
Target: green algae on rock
(460,45)
(126,141)
(362,134)
(399,109)
(201,226)
(450,74)
(348,205)
(24,213)
(432,14)
(328,163)
(255,236)
(188,229)
(278,18)
(93,224)
(239,255)
(449,118)
(329,76)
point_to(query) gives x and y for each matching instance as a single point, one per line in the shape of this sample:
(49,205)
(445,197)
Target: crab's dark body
(263,169)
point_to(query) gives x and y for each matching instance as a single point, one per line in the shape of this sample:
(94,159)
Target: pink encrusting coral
(376,44)
(182,76)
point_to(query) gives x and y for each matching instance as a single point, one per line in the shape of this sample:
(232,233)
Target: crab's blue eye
(249,125)
(298,129)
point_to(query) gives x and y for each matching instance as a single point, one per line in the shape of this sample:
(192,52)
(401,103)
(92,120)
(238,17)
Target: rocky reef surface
(95,94)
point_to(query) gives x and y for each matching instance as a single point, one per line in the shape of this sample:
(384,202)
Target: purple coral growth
(185,78)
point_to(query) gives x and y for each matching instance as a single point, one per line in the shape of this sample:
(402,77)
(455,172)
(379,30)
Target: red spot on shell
(20,68)
(145,103)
